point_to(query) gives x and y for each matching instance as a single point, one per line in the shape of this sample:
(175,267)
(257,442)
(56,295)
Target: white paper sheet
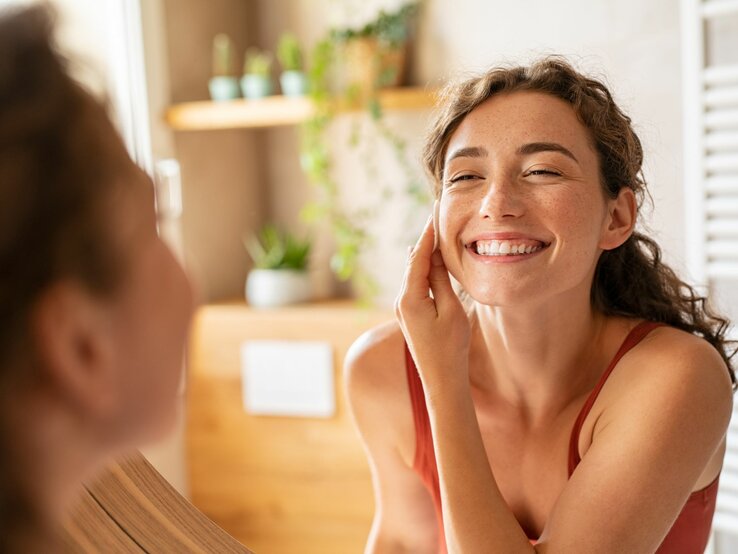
(292,378)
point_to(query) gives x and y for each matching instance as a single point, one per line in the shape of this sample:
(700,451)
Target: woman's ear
(73,343)
(620,220)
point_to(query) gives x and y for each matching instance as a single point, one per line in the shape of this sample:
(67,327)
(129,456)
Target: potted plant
(293,79)
(256,81)
(349,228)
(223,85)
(376,54)
(280,275)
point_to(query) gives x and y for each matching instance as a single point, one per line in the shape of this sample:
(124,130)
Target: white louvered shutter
(710,88)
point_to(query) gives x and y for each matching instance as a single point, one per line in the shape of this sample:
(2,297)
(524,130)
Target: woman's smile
(505,251)
(502,247)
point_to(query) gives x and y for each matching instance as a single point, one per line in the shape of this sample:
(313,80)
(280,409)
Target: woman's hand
(436,327)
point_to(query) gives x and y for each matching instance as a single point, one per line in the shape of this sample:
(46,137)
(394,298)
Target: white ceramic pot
(293,83)
(224,88)
(268,288)
(255,86)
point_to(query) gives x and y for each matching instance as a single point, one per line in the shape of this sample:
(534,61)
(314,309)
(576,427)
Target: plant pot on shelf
(269,288)
(293,83)
(256,86)
(371,63)
(224,88)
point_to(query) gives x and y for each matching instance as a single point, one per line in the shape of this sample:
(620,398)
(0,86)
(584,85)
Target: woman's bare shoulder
(377,391)
(677,366)
(675,355)
(376,359)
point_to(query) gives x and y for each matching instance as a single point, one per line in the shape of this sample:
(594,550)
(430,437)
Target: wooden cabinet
(277,484)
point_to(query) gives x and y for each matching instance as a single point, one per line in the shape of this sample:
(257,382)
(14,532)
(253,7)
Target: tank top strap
(636,335)
(423,436)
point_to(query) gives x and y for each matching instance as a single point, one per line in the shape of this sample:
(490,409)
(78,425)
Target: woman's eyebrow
(469,152)
(534,147)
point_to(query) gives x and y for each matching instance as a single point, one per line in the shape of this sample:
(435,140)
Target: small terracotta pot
(370,64)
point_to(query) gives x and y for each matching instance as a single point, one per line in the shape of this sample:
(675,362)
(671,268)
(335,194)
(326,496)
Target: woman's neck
(537,358)
(51,452)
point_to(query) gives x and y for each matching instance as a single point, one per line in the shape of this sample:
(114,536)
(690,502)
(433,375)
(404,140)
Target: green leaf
(312,212)
(289,52)
(342,266)
(375,109)
(272,248)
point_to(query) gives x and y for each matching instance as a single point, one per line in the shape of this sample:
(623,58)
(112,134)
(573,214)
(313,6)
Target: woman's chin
(498,297)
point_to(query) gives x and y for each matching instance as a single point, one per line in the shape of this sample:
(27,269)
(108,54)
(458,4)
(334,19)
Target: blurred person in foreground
(94,308)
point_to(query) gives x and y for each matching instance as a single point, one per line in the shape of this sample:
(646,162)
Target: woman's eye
(543,172)
(462,178)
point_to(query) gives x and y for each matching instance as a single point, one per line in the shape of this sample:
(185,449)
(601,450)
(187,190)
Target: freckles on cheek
(447,215)
(574,208)
(579,224)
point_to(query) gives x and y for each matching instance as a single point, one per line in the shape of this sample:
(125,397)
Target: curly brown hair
(630,280)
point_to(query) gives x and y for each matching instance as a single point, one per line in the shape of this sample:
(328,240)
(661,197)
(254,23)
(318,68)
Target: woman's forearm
(476,517)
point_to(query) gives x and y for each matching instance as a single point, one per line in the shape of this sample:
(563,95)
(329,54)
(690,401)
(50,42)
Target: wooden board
(130,508)
(277,484)
(91,529)
(275,111)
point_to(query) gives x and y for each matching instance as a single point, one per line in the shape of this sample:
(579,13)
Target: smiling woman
(579,402)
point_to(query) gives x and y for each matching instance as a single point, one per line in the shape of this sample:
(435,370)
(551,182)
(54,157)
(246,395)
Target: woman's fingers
(419,263)
(440,282)
(436,216)
(415,289)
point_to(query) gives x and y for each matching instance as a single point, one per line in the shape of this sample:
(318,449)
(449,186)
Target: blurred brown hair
(60,158)
(630,280)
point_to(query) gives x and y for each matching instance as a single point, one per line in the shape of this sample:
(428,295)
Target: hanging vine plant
(382,44)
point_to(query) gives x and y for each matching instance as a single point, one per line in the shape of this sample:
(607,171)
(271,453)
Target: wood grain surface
(130,507)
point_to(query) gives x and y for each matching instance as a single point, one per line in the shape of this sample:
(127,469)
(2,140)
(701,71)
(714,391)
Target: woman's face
(150,319)
(522,211)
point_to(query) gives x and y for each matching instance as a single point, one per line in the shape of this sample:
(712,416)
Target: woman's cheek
(578,221)
(451,215)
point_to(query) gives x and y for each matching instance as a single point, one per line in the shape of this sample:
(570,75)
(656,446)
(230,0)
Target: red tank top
(688,535)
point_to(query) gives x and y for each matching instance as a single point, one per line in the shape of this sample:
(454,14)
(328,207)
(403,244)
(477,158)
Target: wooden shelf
(276,111)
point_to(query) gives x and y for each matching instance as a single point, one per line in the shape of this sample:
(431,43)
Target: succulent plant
(223,55)
(257,62)
(289,53)
(272,248)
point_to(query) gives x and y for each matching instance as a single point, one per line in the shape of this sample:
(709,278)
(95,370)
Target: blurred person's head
(94,309)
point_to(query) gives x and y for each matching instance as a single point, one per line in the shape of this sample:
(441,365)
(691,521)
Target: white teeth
(504,248)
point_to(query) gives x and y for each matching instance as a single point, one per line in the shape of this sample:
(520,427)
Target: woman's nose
(501,199)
